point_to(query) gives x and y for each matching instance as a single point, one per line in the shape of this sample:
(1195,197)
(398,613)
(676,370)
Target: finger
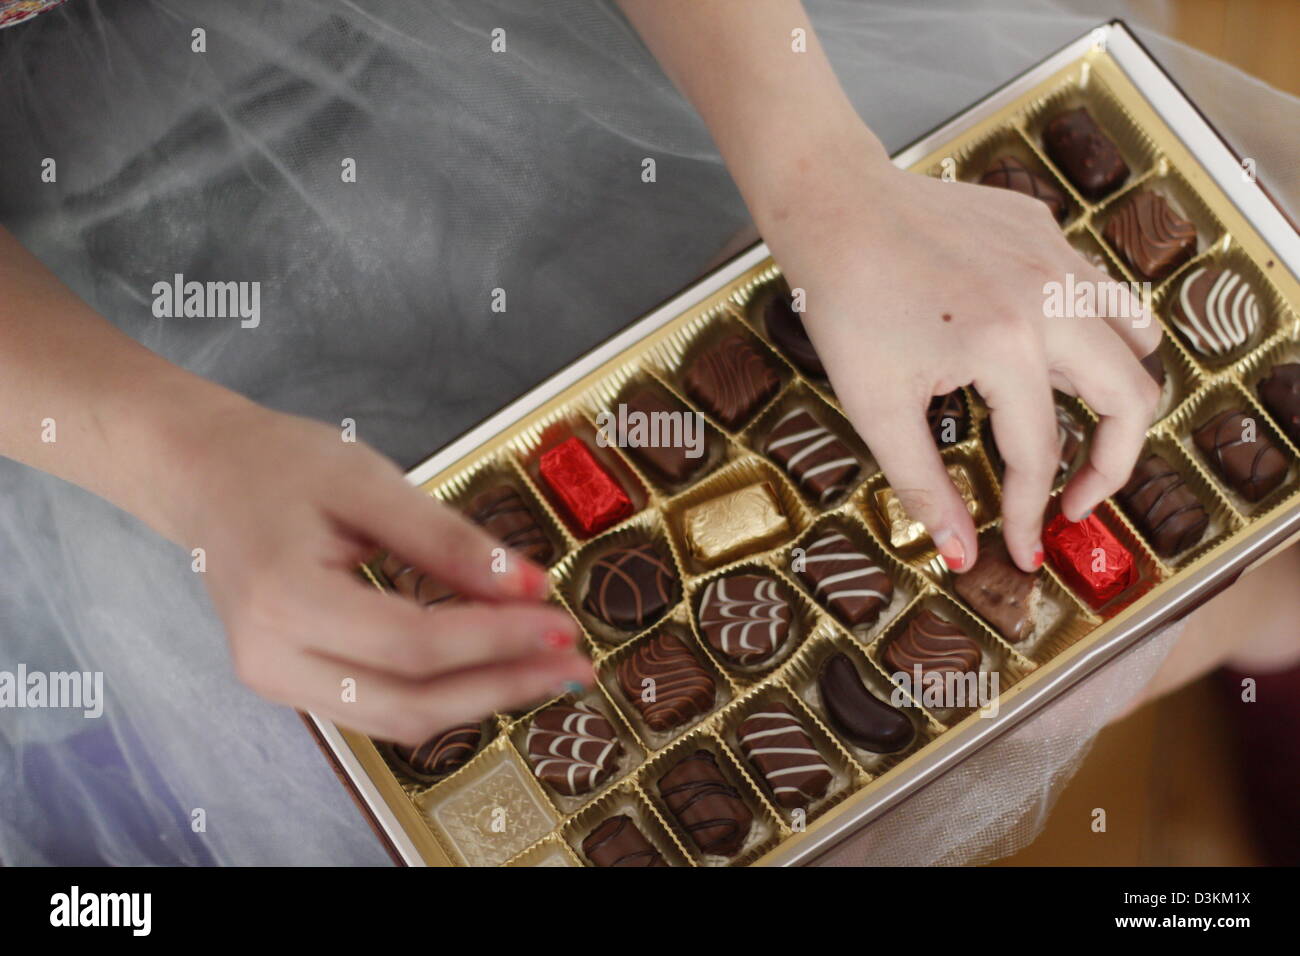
(1019,397)
(438,540)
(903,446)
(1128,315)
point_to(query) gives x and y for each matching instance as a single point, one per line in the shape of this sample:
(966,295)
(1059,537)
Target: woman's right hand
(285,510)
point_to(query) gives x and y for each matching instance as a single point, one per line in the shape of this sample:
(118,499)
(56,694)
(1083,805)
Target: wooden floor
(1258,36)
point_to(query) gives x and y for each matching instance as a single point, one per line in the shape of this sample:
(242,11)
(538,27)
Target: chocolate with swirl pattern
(938,646)
(616,841)
(1152,238)
(774,741)
(745,617)
(680,689)
(630,588)
(1216,311)
(444,752)
(504,514)
(410,582)
(1162,506)
(708,808)
(814,456)
(1007,172)
(1251,468)
(731,380)
(573,748)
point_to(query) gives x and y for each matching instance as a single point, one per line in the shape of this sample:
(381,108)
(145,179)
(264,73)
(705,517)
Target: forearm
(81,400)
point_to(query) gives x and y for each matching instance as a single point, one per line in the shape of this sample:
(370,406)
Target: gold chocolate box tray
(495,810)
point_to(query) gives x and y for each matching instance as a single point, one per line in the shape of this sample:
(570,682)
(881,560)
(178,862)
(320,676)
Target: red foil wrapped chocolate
(1090,559)
(592,498)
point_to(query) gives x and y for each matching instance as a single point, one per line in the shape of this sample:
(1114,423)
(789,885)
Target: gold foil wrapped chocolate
(741,522)
(904,531)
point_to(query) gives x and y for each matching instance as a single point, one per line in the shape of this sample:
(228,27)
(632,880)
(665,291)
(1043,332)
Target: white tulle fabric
(475,171)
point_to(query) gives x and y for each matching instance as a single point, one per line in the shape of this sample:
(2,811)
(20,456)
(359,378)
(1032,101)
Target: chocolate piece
(904,532)
(948,417)
(731,380)
(1069,439)
(444,752)
(1001,593)
(631,588)
(781,751)
(617,842)
(671,462)
(1216,311)
(410,582)
(573,748)
(785,328)
(591,497)
(1165,510)
(740,522)
(504,514)
(817,460)
(745,617)
(1089,159)
(1155,367)
(860,717)
(844,579)
(1089,558)
(708,808)
(1280,393)
(937,646)
(1251,468)
(1007,172)
(679,689)
(1152,238)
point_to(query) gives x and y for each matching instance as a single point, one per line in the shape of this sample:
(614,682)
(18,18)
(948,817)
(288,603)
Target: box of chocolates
(776,641)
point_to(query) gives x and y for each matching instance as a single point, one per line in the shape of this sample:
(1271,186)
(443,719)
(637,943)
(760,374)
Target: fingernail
(1085,516)
(571,687)
(533,582)
(951,548)
(1038,558)
(557,640)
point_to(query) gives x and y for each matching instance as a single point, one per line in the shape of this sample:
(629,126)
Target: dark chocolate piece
(444,752)
(410,582)
(504,514)
(679,687)
(845,580)
(1216,311)
(1007,172)
(745,617)
(948,417)
(814,456)
(731,380)
(617,842)
(1087,156)
(1252,469)
(573,748)
(1155,367)
(939,647)
(1280,393)
(1001,593)
(774,741)
(670,462)
(862,718)
(631,588)
(785,328)
(708,808)
(1165,510)
(1152,238)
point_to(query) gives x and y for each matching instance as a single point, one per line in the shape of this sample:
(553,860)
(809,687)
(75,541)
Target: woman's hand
(285,510)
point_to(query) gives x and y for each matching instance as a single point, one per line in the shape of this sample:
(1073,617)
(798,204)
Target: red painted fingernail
(557,640)
(533,581)
(952,550)
(1038,558)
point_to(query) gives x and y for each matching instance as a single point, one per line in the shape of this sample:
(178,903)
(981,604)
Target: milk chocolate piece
(845,580)
(616,841)
(591,497)
(1001,593)
(504,514)
(858,715)
(680,689)
(1007,172)
(1152,238)
(573,748)
(1089,159)
(937,646)
(745,617)
(731,380)
(1216,311)
(740,522)
(814,456)
(708,808)
(1251,468)
(1280,393)
(410,582)
(948,417)
(631,587)
(670,461)
(444,752)
(904,531)
(785,328)
(1165,510)
(781,751)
